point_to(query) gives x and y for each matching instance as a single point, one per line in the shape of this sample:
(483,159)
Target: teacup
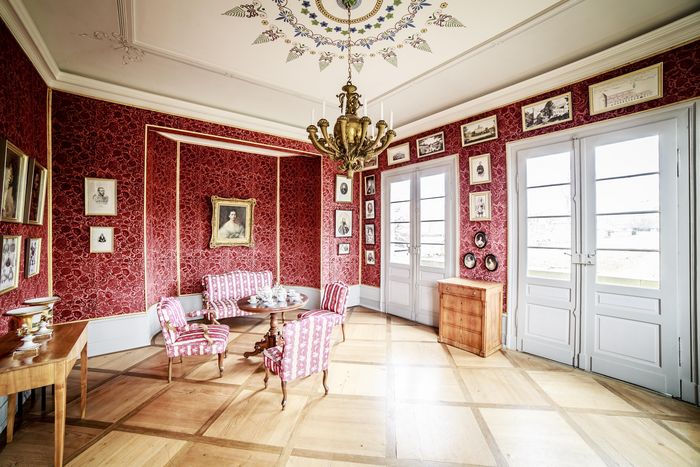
(253,299)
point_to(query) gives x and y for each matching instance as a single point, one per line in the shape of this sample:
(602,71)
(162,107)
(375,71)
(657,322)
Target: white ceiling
(193,56)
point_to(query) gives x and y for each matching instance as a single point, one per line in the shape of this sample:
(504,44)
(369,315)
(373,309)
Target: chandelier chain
(349,47)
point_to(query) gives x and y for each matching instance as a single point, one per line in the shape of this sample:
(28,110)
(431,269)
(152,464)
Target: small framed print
(398,154)
(369,234)
(630,89)
(480,206)
(32,259)
(343,248)
(35,193)
(343,223)
(469,261)
(9,265)
(343,189)
(431,144)
(14,177)
(101,239)
(480,240)
(372,163)
(547,112)
(482,130)
(369,257)
(369,209)
(100,197)
(480,169)
(370,187)
(490,262)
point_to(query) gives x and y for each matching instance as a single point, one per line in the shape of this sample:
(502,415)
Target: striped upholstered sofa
(222,291)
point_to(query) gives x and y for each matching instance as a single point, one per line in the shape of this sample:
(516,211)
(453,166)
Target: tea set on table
(28,326)
(277,295)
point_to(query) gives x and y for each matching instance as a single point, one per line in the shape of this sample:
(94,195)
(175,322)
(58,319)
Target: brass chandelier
(350,144)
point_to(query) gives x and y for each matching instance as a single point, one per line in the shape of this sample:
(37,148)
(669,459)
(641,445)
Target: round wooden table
(270,339)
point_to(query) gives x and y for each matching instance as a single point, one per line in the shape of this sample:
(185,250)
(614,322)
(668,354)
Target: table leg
(59,399)
(83,381)
(11,409)
(270,339)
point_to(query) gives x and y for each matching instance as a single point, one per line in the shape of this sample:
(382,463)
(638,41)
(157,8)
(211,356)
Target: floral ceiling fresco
(318,29)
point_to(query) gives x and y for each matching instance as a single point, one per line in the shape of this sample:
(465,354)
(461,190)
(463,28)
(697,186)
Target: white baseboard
(354,295)
(370,297)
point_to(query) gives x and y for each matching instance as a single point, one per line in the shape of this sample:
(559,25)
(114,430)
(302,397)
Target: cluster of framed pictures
(490,260)
(23,187)
(101,200)
(11,254)
(370,214)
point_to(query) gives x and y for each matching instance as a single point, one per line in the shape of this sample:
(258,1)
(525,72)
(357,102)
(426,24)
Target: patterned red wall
(160,217)
(300,221)
(338,267)
(23,99)
(681,71)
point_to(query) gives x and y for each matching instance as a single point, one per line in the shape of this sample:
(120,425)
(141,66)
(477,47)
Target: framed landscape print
(369,257)
(547,112)
(231,222)
(14,178)
(482,130)
(370,187)
(480,206)
(635,87)
(480,169)
(369,209)
(343,248)
(35,193)
(101,239)
(343,223)
(32,253)
(100,197)
(343,189)
(373,163)
(398,154)
(431,144)
(369,234)
(9,267)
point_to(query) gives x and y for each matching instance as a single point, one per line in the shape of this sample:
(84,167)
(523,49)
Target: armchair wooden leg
(342,327)
(267,376)
(221,365)
(180,362)
(284,394)
(325,381)
(170,369)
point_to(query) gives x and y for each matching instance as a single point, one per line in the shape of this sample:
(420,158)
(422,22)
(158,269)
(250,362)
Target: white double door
(602,267)
(419,222)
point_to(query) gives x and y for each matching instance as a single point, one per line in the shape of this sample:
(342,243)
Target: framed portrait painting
(398,154)
(480,169)
(343,189)
(32,257)
(479,131)
(14,177)
(370,187)
(480,206)
(343,223)
(431,144)
(369,257)
(9,268)
(369,209)
(101,239)
(35,193)
(629,89)
(231,222)
(547,112)
(369,234)
(100,197)
(343,248)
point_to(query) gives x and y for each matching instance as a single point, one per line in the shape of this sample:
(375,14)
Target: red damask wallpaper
(300,221)
(23,100)
(681,69)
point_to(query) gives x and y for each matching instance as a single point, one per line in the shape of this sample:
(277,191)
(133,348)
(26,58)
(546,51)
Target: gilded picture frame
(480,206)
(431,144)
(101,239)
(13,178)
(35,194)
(480,169)
(100,196)
(479,131)
(547,112)
(643,85)
(9,262)
(232,222)
(32,257)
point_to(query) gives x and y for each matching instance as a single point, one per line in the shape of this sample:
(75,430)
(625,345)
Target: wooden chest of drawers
(470,315)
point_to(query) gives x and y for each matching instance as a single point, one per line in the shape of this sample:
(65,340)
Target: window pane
(432,232)
(398,253)
(432,209)
(549,232)
(628,231)
(432,256)
(400,212)
(628,268)
(550,201)
(627,194)
(400,191)
(400,233)
(548,264)
(549,170)
(630,157)
(432,186)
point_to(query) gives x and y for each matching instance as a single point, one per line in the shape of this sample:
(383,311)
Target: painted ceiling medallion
(319,25)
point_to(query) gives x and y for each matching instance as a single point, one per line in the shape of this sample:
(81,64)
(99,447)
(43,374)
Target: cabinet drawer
(461,338)
(452,304)
(462,291)
(462,320)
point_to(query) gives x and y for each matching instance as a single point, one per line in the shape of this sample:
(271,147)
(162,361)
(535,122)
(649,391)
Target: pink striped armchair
(305,350)
(182,338)
(333,303)
(222,291)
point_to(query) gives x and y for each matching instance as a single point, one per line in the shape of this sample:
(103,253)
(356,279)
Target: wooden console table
(50,364)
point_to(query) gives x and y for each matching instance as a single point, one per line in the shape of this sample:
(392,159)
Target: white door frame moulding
(25,32)
(691,347)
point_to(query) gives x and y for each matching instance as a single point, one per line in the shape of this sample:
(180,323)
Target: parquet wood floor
(397,397)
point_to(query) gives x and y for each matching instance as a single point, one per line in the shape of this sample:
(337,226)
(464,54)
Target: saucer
(253,302)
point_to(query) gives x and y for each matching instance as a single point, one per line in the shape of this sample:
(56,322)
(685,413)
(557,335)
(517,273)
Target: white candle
(313,115)
(324,109)
(381,106)
(391,120)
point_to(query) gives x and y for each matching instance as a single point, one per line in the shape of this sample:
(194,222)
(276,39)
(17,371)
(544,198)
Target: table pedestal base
(268,341)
